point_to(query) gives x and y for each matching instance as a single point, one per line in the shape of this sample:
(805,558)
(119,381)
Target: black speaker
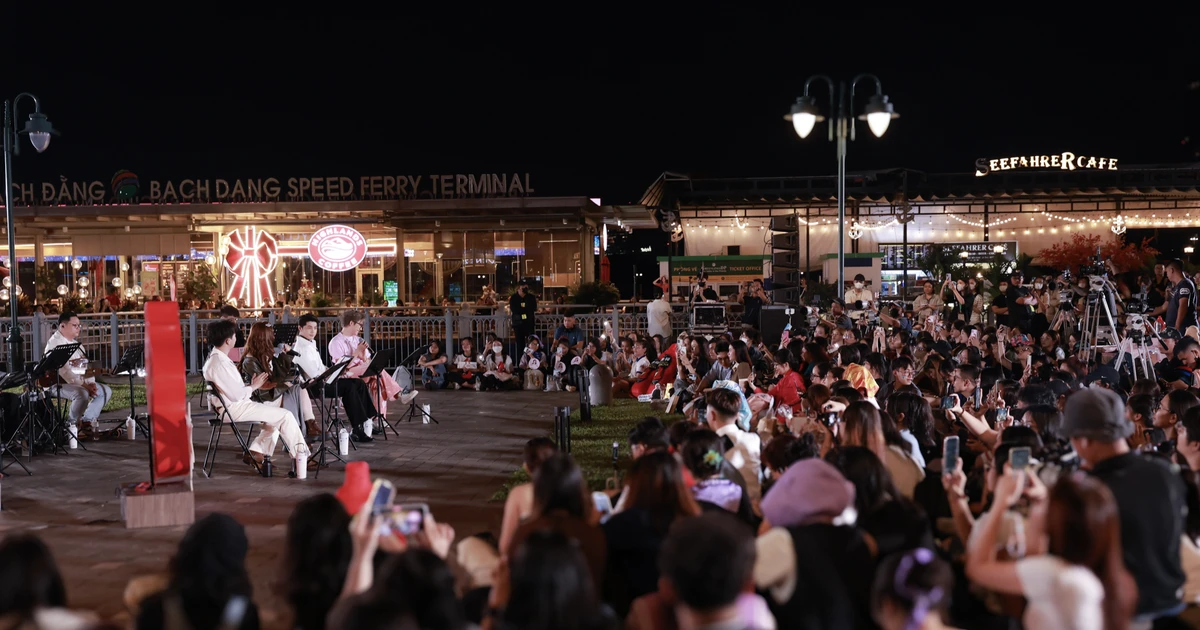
(773,320)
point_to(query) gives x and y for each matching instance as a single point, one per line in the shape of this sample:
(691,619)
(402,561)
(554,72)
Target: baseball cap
(1096,414)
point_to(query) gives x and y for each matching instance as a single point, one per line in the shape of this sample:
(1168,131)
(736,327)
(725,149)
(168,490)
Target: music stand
(53,361)
(130,360)
(321,380)
(10,380)
(286,334)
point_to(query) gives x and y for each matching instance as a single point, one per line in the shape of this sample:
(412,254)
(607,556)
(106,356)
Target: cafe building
(399,238)
(1009,205)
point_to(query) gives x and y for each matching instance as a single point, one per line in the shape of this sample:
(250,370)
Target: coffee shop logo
(337,248)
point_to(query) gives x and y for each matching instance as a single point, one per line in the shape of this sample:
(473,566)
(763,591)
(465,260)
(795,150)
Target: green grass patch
(592,442)
(120,396)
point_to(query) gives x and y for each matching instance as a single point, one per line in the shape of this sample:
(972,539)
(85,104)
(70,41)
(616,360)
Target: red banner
(166,394)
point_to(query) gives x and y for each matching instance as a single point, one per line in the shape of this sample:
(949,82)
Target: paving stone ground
(455,466)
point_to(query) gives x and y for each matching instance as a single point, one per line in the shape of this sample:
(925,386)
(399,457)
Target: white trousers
(276,423)
(83,406)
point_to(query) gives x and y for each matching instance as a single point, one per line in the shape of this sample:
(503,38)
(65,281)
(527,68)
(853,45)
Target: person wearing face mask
(1000,301)
(964,297)
(499,374)
(860,294)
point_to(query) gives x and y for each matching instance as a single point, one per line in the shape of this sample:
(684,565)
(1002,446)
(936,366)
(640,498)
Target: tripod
(374,370)
(320,382)
(15,379)
(53,361)
(1096,306)
(131,359)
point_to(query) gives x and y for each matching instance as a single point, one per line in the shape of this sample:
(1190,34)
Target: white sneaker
(456,386)
(407,398)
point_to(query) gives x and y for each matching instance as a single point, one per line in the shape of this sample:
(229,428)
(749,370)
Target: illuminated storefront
(422,237)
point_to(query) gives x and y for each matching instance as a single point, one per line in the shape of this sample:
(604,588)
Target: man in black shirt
(522,306)
(752,298)
(1020,303)
(1150,498)
(1181,300)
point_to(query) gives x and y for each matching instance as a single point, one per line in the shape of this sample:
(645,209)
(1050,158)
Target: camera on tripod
(1138,307)
(1134,323)
(1095,267)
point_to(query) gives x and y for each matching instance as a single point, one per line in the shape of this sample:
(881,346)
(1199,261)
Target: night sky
(597,100)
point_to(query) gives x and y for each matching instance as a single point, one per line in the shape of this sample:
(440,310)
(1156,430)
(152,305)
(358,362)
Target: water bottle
(300,463)
(369,426)
(266,466)
(425,414)
(343,442)
(73,435)
(130,428)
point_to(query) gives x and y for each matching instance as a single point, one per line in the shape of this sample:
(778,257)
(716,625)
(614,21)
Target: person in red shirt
(788,389)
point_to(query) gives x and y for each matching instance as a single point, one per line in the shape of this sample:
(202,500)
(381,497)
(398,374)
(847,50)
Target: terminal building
(422,237)
(1022,204)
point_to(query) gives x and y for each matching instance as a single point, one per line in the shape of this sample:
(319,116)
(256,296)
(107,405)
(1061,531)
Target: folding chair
(220,418)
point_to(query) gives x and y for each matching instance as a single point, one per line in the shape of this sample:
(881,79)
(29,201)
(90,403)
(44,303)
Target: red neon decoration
(252,256)
(166,394)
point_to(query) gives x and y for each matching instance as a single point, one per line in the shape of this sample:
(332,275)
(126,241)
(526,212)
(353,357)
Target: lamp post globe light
(39,130)
(804,116)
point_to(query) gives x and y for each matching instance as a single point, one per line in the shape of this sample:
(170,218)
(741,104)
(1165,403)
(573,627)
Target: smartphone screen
(978,397)
(1002,414)
(1018,458)
(974,333)
(409,518)
(382,495)
(950,453)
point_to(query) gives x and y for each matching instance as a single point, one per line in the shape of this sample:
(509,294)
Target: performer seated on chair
(86,395)
(281,388)
(347,343)
(637,382)
(276,422)
(356,398)
(462,374)
(433,366)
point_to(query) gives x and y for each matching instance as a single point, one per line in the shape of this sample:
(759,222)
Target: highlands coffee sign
(125,187)
(1065,161)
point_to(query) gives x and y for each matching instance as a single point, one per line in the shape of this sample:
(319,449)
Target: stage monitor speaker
(773,319)
(786,259)
(784,224)
(788,295)
(785,240)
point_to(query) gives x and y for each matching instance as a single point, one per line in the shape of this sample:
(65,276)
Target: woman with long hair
(281,388)
(1081,581)
(32,594)
(656,497)
(209,582)
(499,367)
(316,556)
(561,502)
(862,425)
(914,418)
(546,586)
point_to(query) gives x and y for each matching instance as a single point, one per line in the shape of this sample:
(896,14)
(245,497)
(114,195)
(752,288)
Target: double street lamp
(805,115)
(39,130)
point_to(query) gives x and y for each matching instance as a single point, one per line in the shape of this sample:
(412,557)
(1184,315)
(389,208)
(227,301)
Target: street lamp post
(39,130)
(805,115)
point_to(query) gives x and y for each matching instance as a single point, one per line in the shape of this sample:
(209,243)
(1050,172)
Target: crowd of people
(923,474)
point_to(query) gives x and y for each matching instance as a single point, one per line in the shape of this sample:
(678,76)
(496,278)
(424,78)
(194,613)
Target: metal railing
(404,331)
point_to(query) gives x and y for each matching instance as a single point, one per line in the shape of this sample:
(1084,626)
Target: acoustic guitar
(50,379)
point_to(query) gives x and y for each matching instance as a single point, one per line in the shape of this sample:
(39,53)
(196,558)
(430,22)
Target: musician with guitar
(78,384)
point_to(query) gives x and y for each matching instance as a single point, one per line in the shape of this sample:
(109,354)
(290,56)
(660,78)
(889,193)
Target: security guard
(1181,299)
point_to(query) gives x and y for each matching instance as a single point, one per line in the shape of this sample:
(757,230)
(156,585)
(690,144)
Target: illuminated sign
(337,248)
(251,256)
(1065,161)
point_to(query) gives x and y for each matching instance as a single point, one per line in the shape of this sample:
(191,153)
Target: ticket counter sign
(718,268)
(337,248)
